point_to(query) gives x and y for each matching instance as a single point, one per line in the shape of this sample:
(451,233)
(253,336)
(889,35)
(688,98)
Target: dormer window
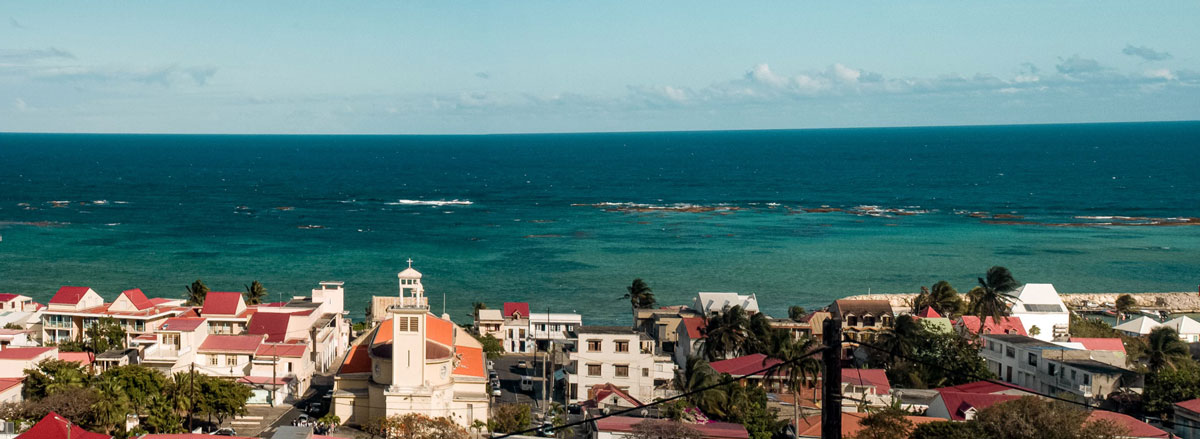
(868,320)
(851,320)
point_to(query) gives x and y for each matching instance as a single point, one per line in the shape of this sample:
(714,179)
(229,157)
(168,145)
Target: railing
(411,302)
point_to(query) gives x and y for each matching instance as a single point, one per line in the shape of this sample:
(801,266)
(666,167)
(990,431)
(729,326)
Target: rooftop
(69,295)
(716,430)
(1024,341)
(1096,366)
(24,353)
(620,330)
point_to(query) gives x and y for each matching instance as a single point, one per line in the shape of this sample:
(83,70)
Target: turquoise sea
(566,221)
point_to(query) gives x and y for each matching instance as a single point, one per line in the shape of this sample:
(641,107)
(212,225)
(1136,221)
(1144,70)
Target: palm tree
(991,297)
(255,293)
(726,334)
(901,339)
(639,295)
(475,307)
(943,298)
(196,293)
(698,375)
(798,369)
(760,336)
(1124,305)
(110,410)
(1164,349)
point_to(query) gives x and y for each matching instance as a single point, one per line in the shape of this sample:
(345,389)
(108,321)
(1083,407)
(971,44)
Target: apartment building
(620,356)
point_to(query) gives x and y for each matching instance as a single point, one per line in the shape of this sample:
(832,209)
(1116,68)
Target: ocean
(566,221)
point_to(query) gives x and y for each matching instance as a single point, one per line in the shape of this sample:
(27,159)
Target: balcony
(409,303)
(164,353)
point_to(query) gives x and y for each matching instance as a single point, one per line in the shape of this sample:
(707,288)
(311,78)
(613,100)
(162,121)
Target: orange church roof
(471,363)
(357,361)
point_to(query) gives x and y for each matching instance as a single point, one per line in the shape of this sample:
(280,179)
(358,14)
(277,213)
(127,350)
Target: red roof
(714,430)
(195,436)
(1101,344)
(5,297)
(69,295)
(439,330)
(868,377)
(182,324)
(231,343)
(138,298)
(159,301)
(851,424)
(601,392)
(54,426)
(986,387)
(743,365)
(220,302)
(272,324)
(8,383)
(24,353)
(513,307)
(357,361)
(958,403)
(1137,429)
(1008,325)
(282,350)
(1191,404)
(470,361)
(695,327)
(930,313)
(83,358)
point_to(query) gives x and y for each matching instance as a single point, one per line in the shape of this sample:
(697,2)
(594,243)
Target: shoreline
(1172,302)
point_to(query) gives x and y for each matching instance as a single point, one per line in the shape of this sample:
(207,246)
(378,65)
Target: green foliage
(798,370)
(943,298)
(748,406)
(256,293)
(935,360)
(946,430)
(71,346)
(509,418)
(886,423)
(221,398)
(991,297)
(11,325)
(104,335)
(109,411)
(139,383)
(53,375)
(1031,417)
(491,346)
(726,334)
(1091,328)
(330,419)
(196,293)
(1165,349)
(163,419)
(639,295)
(1125,304)
(1034,331)
(795,312)
(1170,385)
(416,426)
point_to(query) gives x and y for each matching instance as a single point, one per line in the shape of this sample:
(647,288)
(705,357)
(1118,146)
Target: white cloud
(1166,74)
(1076,65)
(1145,53)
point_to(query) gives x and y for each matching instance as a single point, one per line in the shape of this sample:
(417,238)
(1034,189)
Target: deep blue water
(171,212)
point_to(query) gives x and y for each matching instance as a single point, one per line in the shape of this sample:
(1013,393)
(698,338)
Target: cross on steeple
(409,262)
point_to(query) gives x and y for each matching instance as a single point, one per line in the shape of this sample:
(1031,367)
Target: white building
(1039,305)
(1139,326)
(1188,329)
(708,303)
(620,356)
(552,327)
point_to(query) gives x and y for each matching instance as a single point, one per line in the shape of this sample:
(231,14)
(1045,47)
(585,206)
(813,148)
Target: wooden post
(831,398)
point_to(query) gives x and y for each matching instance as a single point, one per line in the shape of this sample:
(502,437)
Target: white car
(526,384)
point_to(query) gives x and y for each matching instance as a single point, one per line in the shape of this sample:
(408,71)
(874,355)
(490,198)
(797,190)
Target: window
(289,367)
(648,348)
(1072,374)
(542,327)
(1010,352)
(868,320)
(593,345)
(1050,369)
(171,340)
(231,360)
(593,370)
(212,360)
(622,345)
(1087,379)
(851,321)
(522,332)
(1033,359)
(622,370)
(645,371)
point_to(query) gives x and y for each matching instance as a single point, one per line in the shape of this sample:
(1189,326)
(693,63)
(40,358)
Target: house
(1187,419)
(969,325)
(547,328)
(858,385)
(1135,429)
(1114,346)
(488,321)
(1188,329)
(15,302)
(73,309)
(932,321)
(53,426)
(1139,326)
(862,320)
(810,325)
(609,395)
(1039,306)
(1054,368)
(623,427)
(662,324)
(689,340)
(621,356)
(14,360)
(962,402)
(15,337)
(715,303)
(810,427)
(516,335)
(413,362)
(10,389)
(516,310)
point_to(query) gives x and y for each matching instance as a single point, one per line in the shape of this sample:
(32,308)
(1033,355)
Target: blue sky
(553,66)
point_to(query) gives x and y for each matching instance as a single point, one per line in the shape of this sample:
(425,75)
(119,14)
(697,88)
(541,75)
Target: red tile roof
(272,324)
(8,383)
(1008,325)
(601,392)
(5,297)
(160,301)
(695,327)
(182,324)
(512,307)
(24,353)
(470,361)
(930,313)
(281,349)
(357,361)
(69,295)
(231,343)
(958,403)
(868,377)
(1191,404)
(1101,344)
(53,426)
(221,302)
(743,365)
(713,430)
(439,330)
(83,358)
(985,387)
(137,298)
(851,424)
(1137,429)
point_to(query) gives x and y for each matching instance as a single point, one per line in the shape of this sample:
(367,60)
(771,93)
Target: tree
(491,346)
(886,423)
(664,429)
(418,426)
(726,334)
(946,430)
(798,370)
(330,419)
(1169,386)
(163,419)
(1031,417)
(104,335)
(1034,331)
(760,336)
(141,384)
(222,398)
(51,376)
(748,406)
(937,360)
(991,297)
(639,295)
(74,403)
(475,307)
(256,293)
(1164,349)
(1124,305)
(196,293)
(510,418)
(796,312)
(698,375)
(943,298)
(902,338)
(109,411)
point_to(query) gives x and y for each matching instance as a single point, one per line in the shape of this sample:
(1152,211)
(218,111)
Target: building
(1138,327)
(1188,329)
(810,427)
(1135,429)
(690,340)
(74,309)
(14,360)
(547,328)
(962,402)
(623,427)
(488,322)
(413,362)
(715,303)
(662,324)
(15,302)
(969,325)
(862,321)
(1039,306)
(1055,368)
(1187,419)
(810,325)
(53,426)
(620,356)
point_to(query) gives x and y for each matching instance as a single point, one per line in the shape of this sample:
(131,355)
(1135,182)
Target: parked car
(491,364)
(521,364)
(526,384)
(329,395)
(224,432)
(496,391)
(302,420)
(314,408)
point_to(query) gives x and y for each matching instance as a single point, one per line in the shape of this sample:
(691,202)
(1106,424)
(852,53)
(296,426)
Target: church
(412,362)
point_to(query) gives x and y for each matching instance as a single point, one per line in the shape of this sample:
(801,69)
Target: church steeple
(412,293)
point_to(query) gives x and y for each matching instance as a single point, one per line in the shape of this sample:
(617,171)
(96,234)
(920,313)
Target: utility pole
(545,377)
(831,398)
(191,394)
(274,368)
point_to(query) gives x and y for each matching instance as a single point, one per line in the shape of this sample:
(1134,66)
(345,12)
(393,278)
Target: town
(1002,360)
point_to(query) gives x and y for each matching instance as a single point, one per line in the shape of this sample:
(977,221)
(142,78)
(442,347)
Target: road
(510,380)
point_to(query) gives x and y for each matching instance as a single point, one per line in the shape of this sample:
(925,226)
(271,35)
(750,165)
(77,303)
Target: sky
(449,67)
